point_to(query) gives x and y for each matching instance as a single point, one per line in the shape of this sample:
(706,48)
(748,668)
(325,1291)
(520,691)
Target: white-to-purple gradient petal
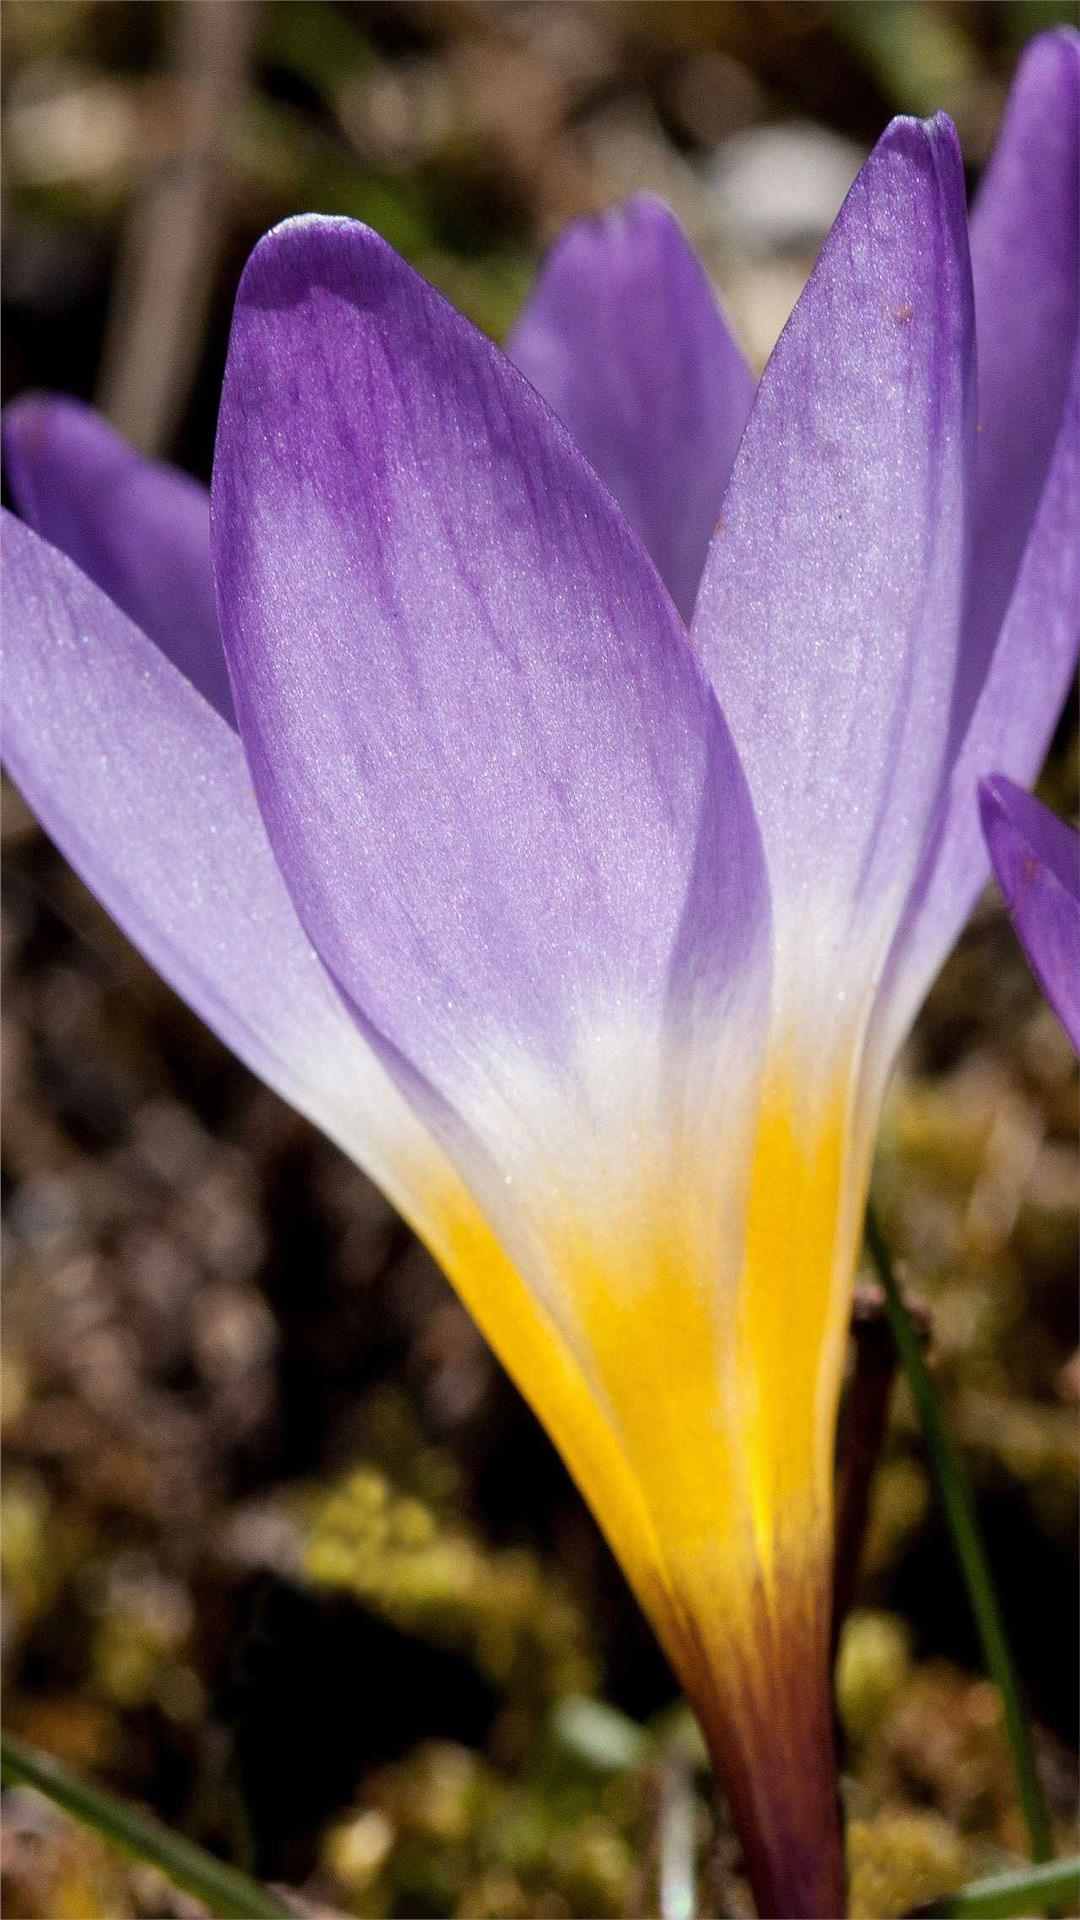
(1014,718)
(1025,256)
(147,792)
(1037,861)
(140,530)
(623,337)
(830,612)
(496,781)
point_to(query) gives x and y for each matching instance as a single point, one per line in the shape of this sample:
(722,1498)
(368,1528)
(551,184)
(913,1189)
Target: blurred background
(285,1556)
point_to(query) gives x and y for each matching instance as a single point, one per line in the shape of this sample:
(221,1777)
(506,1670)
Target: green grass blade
(958,1502)
(1010,1894)
(228,1895)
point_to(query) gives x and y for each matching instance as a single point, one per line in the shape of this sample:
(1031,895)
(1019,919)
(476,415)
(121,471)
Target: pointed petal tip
(1008,809)
(876,364)
(994,795)
(919,142)
(914,177)
(1036,858)
(997,797)
(1024,835)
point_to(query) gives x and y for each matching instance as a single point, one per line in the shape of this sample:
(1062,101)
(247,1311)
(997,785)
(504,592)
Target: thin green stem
(958,1502)
(229,1895)
(1007,1894)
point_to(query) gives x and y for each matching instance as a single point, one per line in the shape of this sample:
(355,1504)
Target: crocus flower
(1037,862)
(593,939)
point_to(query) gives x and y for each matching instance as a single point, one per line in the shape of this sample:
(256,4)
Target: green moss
(503,1607)
(903,1860)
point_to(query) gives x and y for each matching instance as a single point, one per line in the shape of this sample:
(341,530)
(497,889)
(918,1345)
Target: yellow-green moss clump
(502,1607)
(903,1860)
(445,1833)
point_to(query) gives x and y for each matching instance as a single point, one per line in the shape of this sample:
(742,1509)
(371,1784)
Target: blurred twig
(175,231)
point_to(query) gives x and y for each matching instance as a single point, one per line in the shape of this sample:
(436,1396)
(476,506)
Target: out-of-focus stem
(172,244)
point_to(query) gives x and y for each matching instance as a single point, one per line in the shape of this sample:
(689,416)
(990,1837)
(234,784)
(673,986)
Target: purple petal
(1037,861)
(138,529)
(147,792)
(1025,256)
(829,615)
(623,337)
(1011,728)
(496,781)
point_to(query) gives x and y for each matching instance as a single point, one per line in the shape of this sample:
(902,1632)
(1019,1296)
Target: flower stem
(958,1503)
(229,1895)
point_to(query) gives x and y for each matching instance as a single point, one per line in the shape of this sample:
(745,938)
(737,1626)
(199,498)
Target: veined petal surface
(1037,861)
(139,529)
(497,783)
(624,338)
(829,616)
(1010,729)
(1025,256)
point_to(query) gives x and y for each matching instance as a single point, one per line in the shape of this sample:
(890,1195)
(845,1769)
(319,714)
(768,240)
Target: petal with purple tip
(497,783)
(1037,861)
(829,615)
(140,530)
(623,337)
(511,818)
